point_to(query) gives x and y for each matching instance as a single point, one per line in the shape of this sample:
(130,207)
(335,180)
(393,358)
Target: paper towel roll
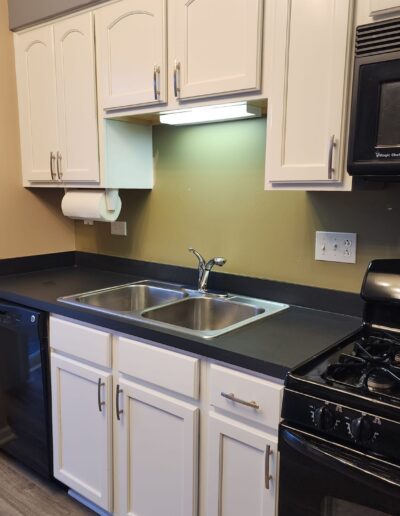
(97,205)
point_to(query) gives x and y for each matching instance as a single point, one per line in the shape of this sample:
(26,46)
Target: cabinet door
(306,106)
(218,46)
(157,453)
(34,55)
(240,461)
(82,417)
(76,96)
(131,46)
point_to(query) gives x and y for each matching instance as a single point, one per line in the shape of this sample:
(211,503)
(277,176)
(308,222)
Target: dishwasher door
(25,431)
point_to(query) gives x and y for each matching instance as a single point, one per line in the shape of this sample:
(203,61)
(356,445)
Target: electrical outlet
(118,228)
(335,247)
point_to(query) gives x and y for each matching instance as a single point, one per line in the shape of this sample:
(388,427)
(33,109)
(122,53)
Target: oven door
(321,478)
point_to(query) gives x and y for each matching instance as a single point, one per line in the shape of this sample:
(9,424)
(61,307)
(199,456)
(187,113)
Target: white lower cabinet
(130,440)
(82,434)
(242,469)
(157,453)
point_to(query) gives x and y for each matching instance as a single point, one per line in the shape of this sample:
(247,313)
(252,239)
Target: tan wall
(209,194)
(30,221)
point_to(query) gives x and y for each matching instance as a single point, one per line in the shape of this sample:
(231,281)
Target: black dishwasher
(25,422)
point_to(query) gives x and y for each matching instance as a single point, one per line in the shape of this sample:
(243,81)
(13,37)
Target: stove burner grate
(373,366)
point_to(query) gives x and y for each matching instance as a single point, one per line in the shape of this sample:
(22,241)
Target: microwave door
(388,130)
(374,140)
(374,135)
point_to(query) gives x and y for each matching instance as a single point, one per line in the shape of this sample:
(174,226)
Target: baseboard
(87,503)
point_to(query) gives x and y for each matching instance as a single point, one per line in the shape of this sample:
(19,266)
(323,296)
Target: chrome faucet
(205,268)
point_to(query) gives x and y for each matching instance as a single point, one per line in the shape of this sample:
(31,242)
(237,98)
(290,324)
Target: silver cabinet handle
(268,476)
(52,158)
(177,70)
(99,402)
(232,397)
(331,169)
(118,391)
(59,171)
(156,82)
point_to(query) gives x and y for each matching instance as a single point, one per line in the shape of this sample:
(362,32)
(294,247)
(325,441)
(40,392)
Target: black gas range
(340,439)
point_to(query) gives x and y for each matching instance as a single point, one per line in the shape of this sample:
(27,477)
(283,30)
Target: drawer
(264,395)
(161,367)
(80,341)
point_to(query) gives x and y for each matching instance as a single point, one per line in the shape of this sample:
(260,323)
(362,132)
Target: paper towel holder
(102,205)
(110,198)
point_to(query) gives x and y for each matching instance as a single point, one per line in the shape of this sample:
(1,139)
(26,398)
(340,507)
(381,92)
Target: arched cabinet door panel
(37,102)
(77,100)
(131,51)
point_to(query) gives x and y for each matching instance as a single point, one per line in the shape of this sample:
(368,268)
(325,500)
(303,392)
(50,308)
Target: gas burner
(380,382)
(381,348)
(371,365)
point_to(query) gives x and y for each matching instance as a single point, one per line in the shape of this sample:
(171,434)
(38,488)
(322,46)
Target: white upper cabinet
(37,103)
(217,47)
(378,7)
(78,158)
(306,130)
(62,140)
(131,45)
(57,102)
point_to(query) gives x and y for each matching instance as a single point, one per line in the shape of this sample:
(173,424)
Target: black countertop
(271,346)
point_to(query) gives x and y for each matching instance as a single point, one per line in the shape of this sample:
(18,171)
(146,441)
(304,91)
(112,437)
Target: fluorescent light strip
(209,114)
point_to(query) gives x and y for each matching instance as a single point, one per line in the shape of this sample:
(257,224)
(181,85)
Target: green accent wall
(209,194)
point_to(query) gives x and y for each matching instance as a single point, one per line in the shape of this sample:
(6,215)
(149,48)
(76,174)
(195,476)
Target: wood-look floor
(23,493)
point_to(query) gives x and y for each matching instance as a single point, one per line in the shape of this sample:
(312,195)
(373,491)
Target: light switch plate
(335,247)
(119,228)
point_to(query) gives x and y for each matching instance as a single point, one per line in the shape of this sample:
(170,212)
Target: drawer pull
(99,402)
(52,159)
(156,75)
(118,411)
(331,169)
(59,171)
(232,397)
(268,477)
(177,70)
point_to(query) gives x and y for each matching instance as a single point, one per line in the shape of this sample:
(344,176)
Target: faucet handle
(202,261)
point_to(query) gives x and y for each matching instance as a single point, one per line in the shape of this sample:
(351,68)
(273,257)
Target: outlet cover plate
(119,228)
(335,247)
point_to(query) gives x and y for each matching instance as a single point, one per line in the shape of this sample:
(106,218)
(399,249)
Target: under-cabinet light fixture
(210,114)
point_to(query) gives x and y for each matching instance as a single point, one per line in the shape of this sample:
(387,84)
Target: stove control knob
(324,418)
(361,429)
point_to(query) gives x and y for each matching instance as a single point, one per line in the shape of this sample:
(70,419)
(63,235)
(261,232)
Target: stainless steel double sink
(173,306)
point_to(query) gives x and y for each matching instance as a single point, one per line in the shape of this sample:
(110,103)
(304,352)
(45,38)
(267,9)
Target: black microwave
(374,137)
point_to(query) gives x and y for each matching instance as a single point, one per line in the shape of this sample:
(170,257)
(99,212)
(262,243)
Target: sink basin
(172,306)
(129,298)
(203,313)
(208,316)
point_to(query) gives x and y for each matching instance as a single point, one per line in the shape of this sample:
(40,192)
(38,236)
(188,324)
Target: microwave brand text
(387,155)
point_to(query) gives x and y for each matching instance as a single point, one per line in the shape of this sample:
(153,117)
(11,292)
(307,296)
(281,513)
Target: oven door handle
(338,455)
